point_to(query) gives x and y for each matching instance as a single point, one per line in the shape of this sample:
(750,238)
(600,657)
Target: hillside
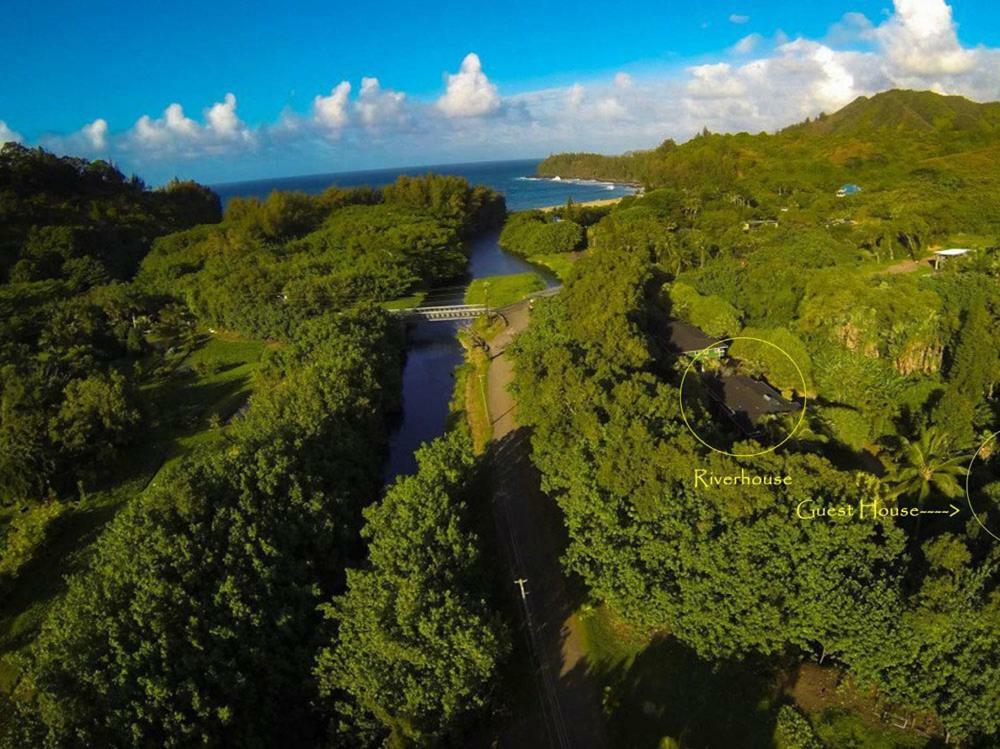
(835,300)
(889,131)
(907,112)
(917,155)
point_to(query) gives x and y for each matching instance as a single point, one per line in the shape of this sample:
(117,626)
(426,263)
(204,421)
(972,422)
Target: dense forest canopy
(72,232)
(226,599)
(922,160)
(745,235)
(196,547)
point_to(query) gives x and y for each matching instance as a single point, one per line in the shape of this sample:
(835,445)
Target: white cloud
(799,79)
(921,39)
(376,105)
(611,109)
(574,95)
(7,135)
(739,19)
(915,47)
(622,80)
(714,80)
(174,125)
(851,29)
(762,83)
(331,111)
(469,92)
(176,134)
(747,44)
(96,134)
(222,121)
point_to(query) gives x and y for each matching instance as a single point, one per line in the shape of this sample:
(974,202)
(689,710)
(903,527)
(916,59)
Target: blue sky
(104,65)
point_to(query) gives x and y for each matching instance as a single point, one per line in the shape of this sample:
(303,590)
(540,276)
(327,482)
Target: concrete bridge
(463,311)
(449,312)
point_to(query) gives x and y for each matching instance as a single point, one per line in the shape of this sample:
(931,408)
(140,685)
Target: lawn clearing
(656,688)
(560,263)
(499,291)
(189,406)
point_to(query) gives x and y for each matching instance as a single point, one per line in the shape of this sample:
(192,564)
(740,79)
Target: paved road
(533,535)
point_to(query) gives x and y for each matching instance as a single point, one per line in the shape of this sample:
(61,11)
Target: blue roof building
(848,189)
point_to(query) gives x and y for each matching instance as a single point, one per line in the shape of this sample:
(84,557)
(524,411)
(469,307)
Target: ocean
(515,179)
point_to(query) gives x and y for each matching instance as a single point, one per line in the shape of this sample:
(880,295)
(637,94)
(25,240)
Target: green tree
(926,466)
(793,731)
(778,354)
(973,371)
(712,314)
(417,646)
(27,461)
(538,233)
(97,415)
(939,656)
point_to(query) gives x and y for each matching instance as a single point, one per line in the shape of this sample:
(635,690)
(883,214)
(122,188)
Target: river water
(433,350)
(432,354)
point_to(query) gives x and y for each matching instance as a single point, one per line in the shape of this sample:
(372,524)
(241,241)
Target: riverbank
(434,352)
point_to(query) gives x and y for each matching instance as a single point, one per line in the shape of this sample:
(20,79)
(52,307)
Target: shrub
(533,233)
(775,363)
(848,426)
(25,537)
(713,314)
(793,731)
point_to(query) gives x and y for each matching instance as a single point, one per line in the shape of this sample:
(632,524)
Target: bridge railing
(443,311)
(458,311)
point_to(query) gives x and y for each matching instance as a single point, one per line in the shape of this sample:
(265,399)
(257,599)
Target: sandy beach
(586,203)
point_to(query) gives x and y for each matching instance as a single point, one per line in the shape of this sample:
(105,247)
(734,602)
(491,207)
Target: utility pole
(520,584)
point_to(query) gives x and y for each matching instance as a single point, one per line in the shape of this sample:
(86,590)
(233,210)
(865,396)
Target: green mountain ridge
(904,110)
(881,139)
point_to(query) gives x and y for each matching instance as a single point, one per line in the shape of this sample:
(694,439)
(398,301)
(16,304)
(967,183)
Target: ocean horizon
(517,179)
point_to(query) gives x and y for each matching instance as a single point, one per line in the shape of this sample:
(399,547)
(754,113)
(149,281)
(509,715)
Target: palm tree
(928,464)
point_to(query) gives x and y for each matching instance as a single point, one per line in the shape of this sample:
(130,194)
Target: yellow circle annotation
(694,359)
(968,493)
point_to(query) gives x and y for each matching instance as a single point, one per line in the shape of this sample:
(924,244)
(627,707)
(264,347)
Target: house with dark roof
(687,339)
(746,400)
(743,399)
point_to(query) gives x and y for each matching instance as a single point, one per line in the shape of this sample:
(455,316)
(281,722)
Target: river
(433,350)
(432,354)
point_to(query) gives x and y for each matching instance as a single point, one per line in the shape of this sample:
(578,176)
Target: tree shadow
(531,538)
(667,690)
(37,585)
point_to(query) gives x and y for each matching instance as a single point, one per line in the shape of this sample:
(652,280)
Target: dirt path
(906,266)
(532,533)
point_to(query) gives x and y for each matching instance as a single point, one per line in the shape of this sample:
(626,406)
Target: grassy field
(207,389)
(974,241)
(836,728)
(655,688)
(191,401)
(499,291)
(560,263)
(468,405)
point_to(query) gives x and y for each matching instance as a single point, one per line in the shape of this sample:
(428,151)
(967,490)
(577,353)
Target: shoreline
(598,180)
(586,203)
